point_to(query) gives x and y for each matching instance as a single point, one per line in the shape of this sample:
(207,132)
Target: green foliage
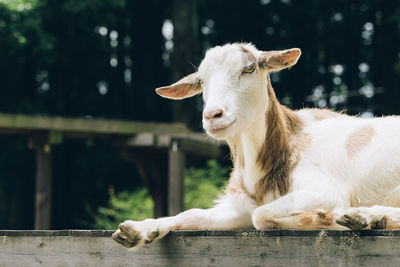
(19,5)
(202,186)
(136,205)
(21,24)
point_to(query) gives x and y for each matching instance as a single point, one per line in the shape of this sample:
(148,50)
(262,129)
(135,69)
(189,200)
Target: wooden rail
(158,150)
(88,127)
(203,248)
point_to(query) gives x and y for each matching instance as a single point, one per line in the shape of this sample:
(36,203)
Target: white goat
(306,169)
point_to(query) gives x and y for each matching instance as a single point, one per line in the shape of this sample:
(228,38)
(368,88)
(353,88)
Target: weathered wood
(43,188)
(202,146)
(42,142)
(125,133)
(176,172)
(192,143)
(139,140)
(203,248)
(81,127)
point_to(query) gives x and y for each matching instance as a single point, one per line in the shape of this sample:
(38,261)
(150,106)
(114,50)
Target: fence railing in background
(144,143)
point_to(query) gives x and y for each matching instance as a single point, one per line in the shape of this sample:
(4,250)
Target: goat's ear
(186,87)
(278,60)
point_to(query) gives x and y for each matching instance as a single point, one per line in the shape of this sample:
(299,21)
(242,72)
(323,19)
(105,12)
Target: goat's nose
(213,114)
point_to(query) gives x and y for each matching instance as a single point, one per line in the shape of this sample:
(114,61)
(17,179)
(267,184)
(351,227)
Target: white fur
(325,179)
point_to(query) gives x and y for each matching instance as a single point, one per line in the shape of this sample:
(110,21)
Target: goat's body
(306,169)
(362,172)
(348,174)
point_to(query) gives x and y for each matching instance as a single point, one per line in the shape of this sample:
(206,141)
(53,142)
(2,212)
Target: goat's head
(234,85)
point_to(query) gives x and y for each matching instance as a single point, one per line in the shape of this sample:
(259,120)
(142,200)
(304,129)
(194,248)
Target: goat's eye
(249,69)
(200,82)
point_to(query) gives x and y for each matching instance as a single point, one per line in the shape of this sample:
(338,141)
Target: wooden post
(160,187)
(42,144)
(153,168)
(43,188)
(176,164)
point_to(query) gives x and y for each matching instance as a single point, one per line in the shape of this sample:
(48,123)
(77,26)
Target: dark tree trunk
(185,56)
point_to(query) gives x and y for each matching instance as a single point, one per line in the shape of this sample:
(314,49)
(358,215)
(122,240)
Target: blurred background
(103,59)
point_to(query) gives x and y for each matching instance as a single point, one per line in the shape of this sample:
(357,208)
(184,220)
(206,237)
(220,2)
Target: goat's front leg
(299,210)
(232,212)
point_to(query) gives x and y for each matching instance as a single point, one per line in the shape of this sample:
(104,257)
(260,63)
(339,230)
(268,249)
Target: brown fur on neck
(277,156)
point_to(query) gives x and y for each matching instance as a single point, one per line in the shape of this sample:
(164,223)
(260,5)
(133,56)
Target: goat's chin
(221,134)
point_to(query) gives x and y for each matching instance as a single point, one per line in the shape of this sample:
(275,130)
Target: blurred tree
(104,58)
(185,57)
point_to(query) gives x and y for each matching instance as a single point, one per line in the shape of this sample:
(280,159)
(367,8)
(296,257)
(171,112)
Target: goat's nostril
(213,114)
(218,115)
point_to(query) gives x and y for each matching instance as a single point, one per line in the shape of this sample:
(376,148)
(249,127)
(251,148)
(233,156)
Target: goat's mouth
(213,129)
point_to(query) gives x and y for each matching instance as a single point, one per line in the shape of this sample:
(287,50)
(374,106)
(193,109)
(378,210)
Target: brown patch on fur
(359,139)
(314,219)
(322,114)
(325,218)
(281,149)
(305,218)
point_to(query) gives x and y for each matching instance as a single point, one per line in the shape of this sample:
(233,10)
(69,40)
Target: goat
(305,169)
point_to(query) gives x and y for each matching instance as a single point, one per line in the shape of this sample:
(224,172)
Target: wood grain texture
(203,248)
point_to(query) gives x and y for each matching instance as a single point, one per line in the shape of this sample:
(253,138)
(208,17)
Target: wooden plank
(142,140)
(196,144)
(203,248)
(10,123)
(176,172)
(202,147)
(139,140)
(43,188)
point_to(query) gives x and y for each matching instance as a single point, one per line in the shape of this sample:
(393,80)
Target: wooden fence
(157,149)
(204,248)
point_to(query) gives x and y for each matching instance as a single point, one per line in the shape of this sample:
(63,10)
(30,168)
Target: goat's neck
(245,149)
(262,152)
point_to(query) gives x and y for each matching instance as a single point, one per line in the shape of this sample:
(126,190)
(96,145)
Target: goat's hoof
(378,223)
(135,234)
(352,221)
(119,237)
(154,234)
